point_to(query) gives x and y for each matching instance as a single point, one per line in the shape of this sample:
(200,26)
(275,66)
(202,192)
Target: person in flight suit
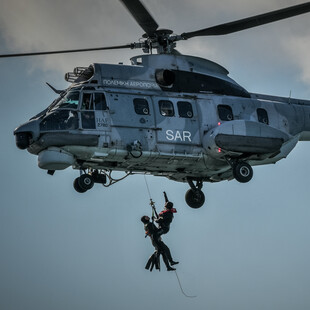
(165,217)
(161,248)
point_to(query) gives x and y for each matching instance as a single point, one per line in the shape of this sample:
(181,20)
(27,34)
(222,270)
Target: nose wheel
(83,183)
(194,197)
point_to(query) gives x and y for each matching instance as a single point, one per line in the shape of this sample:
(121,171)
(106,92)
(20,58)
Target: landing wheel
(86,181)
(242,172)
(77,186)
(195,198)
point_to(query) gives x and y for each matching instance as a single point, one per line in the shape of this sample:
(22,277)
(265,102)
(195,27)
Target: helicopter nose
(22,140)
(26,134)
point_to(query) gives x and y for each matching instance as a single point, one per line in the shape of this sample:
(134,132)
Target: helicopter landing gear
(86,181)
(194,197)
(83,183)
(242,171)
(77,186)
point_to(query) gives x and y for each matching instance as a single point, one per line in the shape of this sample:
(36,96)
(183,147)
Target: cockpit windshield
(69,101)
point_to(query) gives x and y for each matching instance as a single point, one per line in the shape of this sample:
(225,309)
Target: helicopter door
(94,112)
(176,121)
(132,119)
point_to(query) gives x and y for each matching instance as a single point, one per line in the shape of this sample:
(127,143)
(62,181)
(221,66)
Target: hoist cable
(151,201)
(147,186)
(189,296)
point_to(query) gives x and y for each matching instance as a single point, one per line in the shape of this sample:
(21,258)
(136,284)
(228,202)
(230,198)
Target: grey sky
(247,248)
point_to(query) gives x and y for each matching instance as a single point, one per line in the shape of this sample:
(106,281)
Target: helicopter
(166,114)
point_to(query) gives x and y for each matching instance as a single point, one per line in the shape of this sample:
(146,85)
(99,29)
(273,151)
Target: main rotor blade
(141,15)
(250,22)
(68,51)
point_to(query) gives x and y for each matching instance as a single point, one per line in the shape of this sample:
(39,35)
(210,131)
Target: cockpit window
(88,120)
(100,102)
(60,120)
(94,101)
(87,103)
(69,101)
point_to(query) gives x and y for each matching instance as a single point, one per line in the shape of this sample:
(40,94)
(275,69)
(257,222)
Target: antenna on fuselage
(57,91)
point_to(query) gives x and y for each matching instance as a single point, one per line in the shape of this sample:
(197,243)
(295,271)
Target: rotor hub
(161,40)
(159,33)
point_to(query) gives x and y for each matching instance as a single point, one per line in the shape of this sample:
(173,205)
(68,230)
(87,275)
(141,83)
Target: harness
(172,210)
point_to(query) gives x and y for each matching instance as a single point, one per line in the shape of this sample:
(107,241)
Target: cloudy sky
(247,248)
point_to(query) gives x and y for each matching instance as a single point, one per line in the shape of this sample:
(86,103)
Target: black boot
(166,261)
(173,263)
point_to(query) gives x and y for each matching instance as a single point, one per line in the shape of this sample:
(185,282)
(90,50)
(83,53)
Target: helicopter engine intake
(165,77)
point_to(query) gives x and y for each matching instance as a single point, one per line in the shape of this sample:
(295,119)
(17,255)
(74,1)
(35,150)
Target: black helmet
(145,219)
(169,205)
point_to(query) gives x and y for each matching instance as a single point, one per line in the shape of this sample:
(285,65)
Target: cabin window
(262,116)
(166,108)
(225,112)
(141,106)
(185,109)
(60,120)
(100,102)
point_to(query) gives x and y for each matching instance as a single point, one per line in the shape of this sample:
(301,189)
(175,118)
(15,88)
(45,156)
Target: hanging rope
(182,287)
(152,203)
(147,186)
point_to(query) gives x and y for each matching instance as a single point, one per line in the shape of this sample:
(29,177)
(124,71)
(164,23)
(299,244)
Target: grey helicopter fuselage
(176,116)
(166,114)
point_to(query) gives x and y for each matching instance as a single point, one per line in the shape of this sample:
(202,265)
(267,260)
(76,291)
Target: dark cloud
(47,25)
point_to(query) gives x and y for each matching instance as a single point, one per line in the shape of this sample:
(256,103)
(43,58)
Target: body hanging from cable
(163,220)
(151,230)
